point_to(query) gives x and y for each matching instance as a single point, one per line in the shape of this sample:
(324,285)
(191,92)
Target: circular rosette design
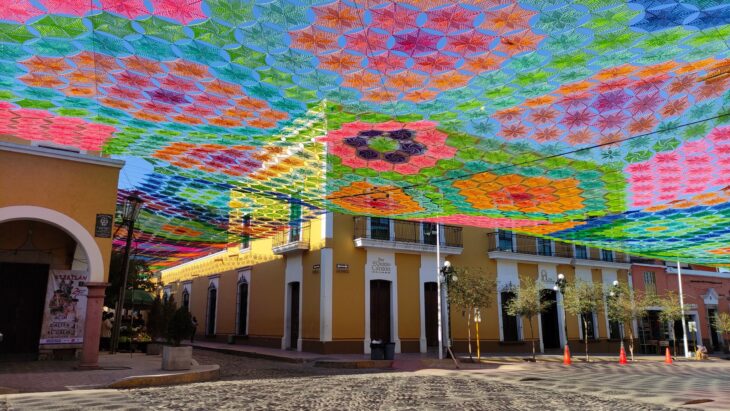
(364,198)
(512,192)
(404,148)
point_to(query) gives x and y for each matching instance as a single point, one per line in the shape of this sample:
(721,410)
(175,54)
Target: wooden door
(430,307)
(549,321)
(22,300)
(242,308)
(212,306)
(380,310)
(293,315)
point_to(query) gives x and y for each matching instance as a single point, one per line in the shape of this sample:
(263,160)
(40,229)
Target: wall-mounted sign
(315,268)
(380,266)
(103,228)
(65,309)
(343,268)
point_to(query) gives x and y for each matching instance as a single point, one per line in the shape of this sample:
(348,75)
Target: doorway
(293,315)
(430,309)
(380,310)
(549,321)
(242,308)
(711,313)
(212,305)
(22,301)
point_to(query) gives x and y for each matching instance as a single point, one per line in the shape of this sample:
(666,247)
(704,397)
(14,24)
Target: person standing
(106,331)
(195,329)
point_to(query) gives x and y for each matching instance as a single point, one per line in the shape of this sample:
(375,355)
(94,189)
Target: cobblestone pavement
(256,384)
(707,384)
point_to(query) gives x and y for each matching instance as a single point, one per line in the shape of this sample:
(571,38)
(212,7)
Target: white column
(681,307)
(325,295)
(438,291)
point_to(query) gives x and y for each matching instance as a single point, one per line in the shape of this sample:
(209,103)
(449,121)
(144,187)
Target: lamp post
(559,286)
(130,211)
(447,276)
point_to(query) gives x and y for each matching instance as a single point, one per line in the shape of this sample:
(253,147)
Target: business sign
(65,309)
(380,266)
(343,268)
(315,268)
(103,227)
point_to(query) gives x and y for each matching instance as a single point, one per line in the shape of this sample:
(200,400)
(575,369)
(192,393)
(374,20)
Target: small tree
(156,324)
(580,299)
(180,326)
(722,325)
(671,311)
(624,306)
(471,291)
(528,303)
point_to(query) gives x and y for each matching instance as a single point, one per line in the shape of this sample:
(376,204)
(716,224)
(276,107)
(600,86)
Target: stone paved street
(257,384)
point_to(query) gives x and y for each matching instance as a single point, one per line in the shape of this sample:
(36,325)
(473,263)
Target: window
(246,238)
(509,322)
(614,330)
(379,228)
(186,299)
(429,233)
(588,325)
(505,240)
(650,282)
(581,252)
(606,255)
(544,246)
(295,222)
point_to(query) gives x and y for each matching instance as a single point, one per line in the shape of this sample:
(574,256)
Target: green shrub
(180,326)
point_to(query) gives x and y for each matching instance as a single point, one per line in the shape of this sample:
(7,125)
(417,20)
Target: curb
(382,364)
(249,354)
(203,374)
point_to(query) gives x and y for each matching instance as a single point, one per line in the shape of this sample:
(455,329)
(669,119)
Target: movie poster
(65,310)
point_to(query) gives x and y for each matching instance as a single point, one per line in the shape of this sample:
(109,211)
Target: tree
(139,278)
(671,311)
(581,299)
(156,324)
(528,303)
(626,305)
(180,326)
(722,325)
(471,291)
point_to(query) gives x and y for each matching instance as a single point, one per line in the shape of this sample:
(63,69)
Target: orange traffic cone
(622,356)
(566,356)
(667,357)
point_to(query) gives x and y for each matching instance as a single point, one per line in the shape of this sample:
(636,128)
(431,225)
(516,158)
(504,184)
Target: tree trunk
(468,332)
(674,340)
(585,335)
(532,337)
(631,344)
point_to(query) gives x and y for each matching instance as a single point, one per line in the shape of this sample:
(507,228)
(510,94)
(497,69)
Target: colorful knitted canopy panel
(599,122)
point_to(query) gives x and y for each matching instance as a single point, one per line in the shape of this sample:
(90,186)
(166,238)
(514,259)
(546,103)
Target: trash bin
(377,350)
(389,351)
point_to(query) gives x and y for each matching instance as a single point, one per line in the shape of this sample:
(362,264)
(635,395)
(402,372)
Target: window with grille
(606,255)
(650,282)
(581,252)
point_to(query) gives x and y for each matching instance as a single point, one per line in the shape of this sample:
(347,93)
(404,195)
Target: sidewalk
(406,361)
(118,371)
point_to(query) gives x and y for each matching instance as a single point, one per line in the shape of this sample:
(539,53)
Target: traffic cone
(566,356)
(667,357)
(622,356)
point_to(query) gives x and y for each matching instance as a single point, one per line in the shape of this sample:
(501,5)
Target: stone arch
(67,224)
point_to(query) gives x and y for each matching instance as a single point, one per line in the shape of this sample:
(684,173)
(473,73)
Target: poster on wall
(65,309)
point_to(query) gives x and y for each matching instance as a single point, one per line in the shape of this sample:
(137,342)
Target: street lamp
(559,286)
(614,293)
(130,211)
(448,276)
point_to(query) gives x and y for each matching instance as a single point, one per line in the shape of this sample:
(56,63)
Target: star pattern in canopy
(599,122)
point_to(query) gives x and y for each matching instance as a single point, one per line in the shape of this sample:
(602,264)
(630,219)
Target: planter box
(177,358)
(154,348)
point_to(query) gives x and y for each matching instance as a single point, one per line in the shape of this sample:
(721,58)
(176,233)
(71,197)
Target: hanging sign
(65,309)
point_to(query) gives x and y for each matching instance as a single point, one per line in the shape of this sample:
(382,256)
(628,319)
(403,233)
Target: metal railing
(407,232)
(292,234)
(525,244)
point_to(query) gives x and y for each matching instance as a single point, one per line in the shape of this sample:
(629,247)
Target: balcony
(293,238)
(406,235)
(508,245)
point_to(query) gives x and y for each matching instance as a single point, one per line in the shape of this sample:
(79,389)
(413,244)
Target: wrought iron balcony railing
(294,237)
(525,244)
(414,232)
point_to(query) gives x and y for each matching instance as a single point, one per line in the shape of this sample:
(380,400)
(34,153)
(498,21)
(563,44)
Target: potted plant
(175,357)
(156,325)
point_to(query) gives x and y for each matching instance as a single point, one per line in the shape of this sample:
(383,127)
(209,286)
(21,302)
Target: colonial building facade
(56,216)
(338,282)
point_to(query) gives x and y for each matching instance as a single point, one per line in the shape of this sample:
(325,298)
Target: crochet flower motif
(405,148)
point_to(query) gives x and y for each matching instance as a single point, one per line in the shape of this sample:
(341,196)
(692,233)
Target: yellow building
(338,282)
(56,213)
